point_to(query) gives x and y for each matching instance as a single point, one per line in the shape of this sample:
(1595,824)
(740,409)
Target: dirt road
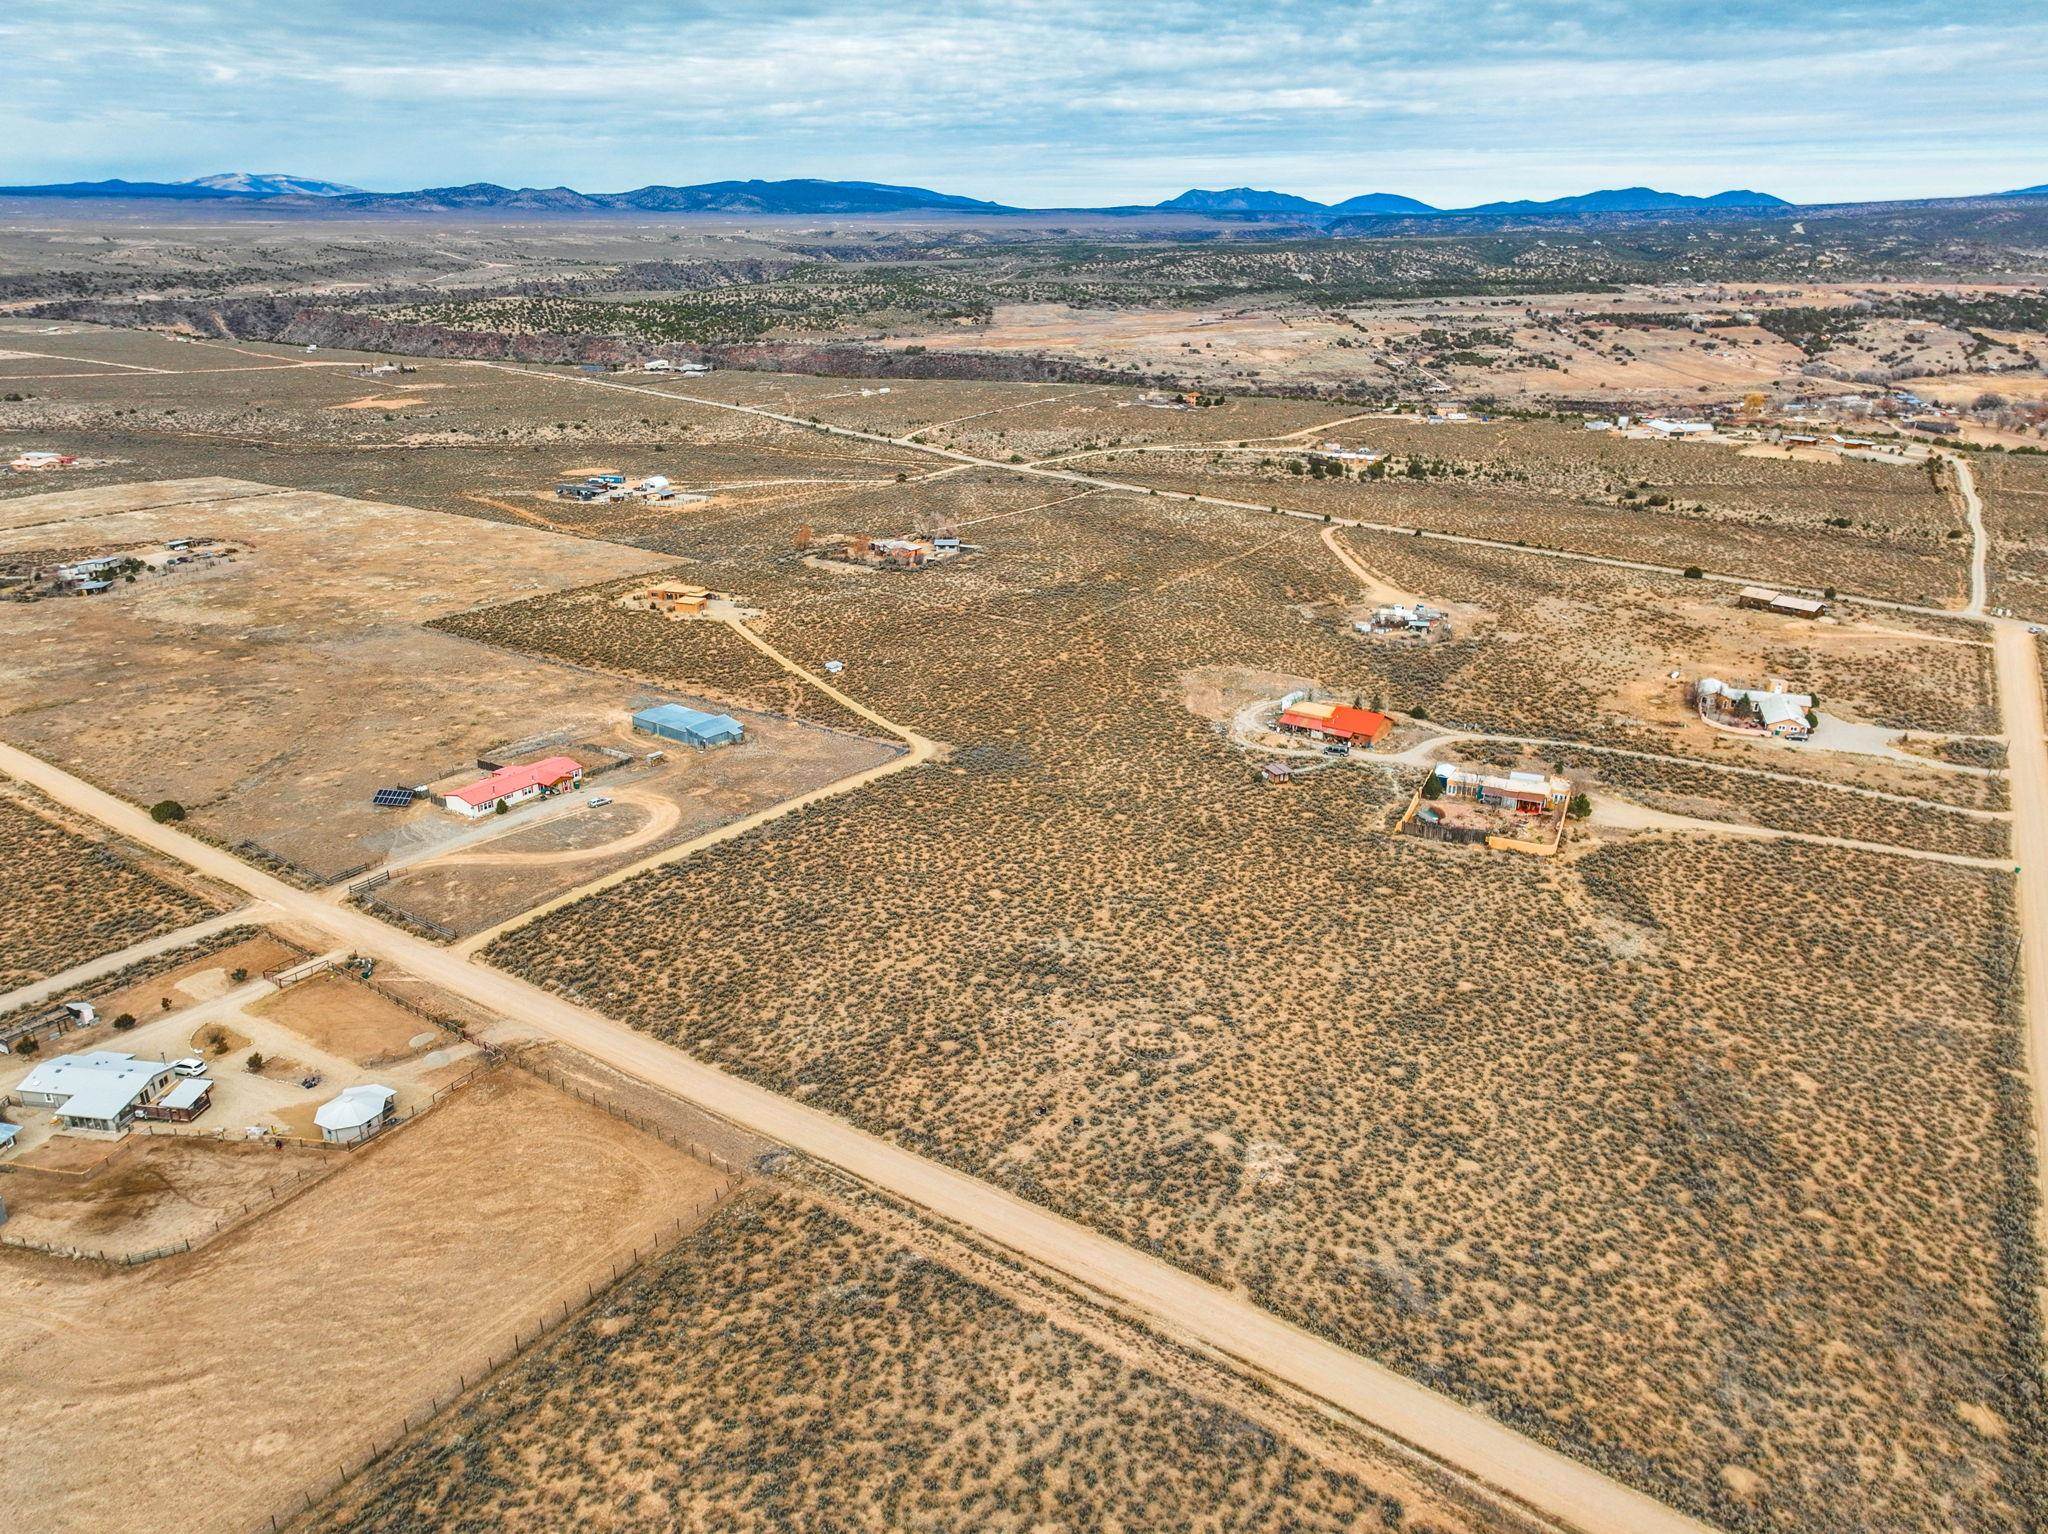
(107,964)
(921,751)
(1435,1427)
(1625,815)
(1043,470)
(1980,540)
(2018,660)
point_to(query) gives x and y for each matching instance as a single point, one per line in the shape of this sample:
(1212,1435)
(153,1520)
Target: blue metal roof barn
(693,727)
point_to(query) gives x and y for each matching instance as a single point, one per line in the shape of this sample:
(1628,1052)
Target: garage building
(690,726)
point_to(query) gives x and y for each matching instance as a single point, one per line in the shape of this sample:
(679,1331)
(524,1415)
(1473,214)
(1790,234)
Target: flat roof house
(96,1093)
(354,1113)
(690,726)
(516,785)
(1765,599)
(1527,793)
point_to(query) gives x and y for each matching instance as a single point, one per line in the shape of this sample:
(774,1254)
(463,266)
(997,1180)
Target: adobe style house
(1505,811)
(1526,793)
(1772,710)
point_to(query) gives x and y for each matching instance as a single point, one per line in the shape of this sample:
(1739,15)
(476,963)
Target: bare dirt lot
(351,1020)
(150,1191)
(270,694)
(198,979)
(261,1361)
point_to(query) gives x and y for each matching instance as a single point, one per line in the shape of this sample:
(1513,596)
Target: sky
(1041,102)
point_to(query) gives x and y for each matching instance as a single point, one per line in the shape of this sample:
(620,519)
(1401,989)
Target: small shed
(354,1113)
(690,726)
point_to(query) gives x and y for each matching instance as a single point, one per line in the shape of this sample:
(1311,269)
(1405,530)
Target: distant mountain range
(286,192)
(1633,199)
(260,183)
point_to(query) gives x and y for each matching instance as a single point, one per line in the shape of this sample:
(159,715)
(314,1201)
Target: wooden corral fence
(308,1500)
(364,886)
(398,917)
(348,873)
(295,974)
(1411,824)
(251,1207)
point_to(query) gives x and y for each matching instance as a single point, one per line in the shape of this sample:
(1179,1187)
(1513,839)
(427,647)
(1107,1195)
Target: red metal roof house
(1337,721)
(516,785)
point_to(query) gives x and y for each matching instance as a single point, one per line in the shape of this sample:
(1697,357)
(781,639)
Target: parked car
(1339,749)
(191,1065)
(310,1082)
(599,801)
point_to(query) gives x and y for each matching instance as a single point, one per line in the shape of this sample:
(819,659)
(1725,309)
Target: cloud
(1049,101)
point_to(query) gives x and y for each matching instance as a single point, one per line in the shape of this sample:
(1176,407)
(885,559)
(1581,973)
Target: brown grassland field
(69,897)
(1702,1159)
(233,1379)
(785,1368)
(1879,529)
(1613,1151)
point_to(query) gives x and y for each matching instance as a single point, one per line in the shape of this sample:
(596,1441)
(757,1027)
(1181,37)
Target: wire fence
(228,1218)
(662,1132)
(308,1500)
(251,1207)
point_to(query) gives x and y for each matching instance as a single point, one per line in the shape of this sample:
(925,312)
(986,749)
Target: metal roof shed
(692,727)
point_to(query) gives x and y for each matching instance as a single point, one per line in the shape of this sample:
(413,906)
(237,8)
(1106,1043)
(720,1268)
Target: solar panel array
(393,798)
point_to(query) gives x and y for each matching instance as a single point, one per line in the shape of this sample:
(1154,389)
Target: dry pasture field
(654,807)
(1859,526)
(71,897)
(227,1381)
(271,693)
(151,1191)
(784,1368)
(2014,489)
(1619,1149)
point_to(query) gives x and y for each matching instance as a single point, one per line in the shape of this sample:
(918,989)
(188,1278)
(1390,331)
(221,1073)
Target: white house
(1780,712)
(97,1093)
(354,1113)
(1664,426)
(515,785)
